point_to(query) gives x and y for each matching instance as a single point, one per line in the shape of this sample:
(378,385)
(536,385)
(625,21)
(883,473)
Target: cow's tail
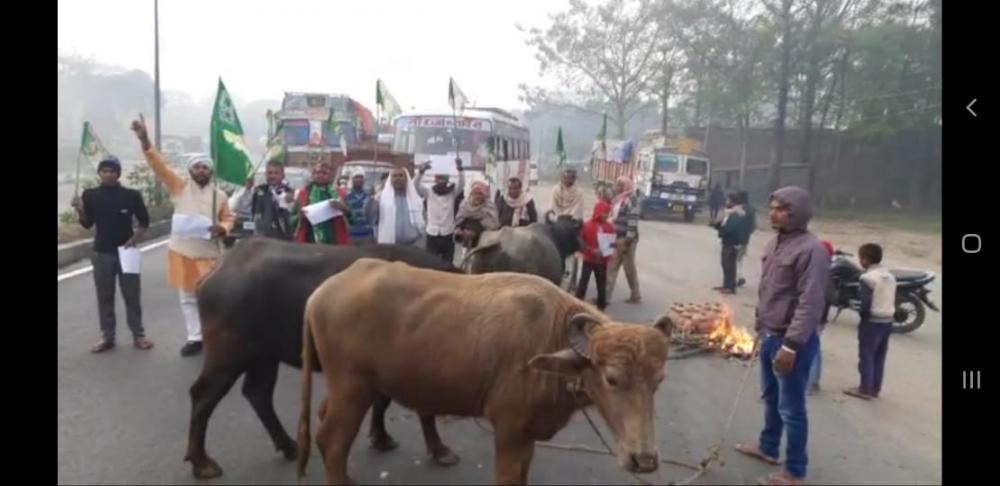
(304,441)
(469,254)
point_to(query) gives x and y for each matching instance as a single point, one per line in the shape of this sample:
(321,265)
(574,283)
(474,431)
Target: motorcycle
(912,294)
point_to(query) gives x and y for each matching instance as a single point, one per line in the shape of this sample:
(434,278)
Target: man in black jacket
(111,208)
(267,204)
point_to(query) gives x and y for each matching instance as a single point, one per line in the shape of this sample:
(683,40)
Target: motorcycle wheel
(910,314)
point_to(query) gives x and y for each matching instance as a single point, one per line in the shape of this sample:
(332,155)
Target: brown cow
(512,348)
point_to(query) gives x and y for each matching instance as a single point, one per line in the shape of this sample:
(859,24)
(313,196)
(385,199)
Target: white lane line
(88,269)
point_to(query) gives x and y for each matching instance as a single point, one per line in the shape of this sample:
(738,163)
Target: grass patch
(925,222)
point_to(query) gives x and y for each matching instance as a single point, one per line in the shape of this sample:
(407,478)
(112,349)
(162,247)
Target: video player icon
(971,380)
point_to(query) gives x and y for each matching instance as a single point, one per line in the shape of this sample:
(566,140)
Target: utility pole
(156,70)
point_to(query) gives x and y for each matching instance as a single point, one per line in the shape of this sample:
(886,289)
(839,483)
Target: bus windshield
(432,135)
(666,163)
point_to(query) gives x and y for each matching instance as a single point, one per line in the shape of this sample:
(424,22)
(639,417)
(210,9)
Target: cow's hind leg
(258,388)
(377,434)
(440,453)
(340,424)
(217,376)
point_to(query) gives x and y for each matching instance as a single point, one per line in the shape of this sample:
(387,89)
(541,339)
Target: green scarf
(323,232)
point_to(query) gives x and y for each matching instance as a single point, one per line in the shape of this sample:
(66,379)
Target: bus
(492,143)
(307,135)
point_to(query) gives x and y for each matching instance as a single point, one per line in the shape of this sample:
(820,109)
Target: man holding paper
(443,201)
(197,226)
(320,214)
(111,208)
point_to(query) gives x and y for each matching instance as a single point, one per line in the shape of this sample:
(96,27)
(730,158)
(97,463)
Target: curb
(70,253)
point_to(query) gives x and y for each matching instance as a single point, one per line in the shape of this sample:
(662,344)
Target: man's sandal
(142,343)
(781,478)
(755,453)
(102,346)
(856,393)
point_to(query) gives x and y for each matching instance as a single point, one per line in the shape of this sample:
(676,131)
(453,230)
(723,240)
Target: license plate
(664,195)
(248,225)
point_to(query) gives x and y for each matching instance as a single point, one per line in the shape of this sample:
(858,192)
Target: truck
(307,134)
(671,174)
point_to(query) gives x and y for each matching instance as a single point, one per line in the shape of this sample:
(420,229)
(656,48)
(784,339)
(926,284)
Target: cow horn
(581,325)
(665,324)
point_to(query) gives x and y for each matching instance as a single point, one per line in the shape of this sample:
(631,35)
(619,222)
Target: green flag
(560,148)
(390,108)
(229,151)
(456,98)
(91,147)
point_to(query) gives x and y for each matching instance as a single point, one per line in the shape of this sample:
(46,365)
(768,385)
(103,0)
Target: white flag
(456,98)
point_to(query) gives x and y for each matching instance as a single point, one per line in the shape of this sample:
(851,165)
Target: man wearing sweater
(112,208)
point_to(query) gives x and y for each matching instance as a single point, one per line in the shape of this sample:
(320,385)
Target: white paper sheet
(443,164)
(320,212)
(605,241)
(130,259)
(191,226)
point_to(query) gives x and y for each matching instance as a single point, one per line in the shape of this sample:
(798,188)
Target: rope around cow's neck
(712,454)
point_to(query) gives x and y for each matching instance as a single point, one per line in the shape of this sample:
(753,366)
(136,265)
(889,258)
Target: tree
(602,53)
(784,17)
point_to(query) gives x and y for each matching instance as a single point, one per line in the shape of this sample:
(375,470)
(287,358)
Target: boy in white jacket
(878,304)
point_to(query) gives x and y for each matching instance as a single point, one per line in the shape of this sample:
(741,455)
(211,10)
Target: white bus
(493,144)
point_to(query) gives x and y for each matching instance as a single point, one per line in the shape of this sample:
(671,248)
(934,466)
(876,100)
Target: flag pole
(378,118)
(79,153)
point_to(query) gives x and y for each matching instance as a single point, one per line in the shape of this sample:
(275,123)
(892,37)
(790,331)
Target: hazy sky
(263,48)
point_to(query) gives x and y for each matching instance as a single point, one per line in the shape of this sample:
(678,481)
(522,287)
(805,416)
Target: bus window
(666,163)
(697,167)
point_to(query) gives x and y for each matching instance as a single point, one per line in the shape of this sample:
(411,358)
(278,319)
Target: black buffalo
(538,248)
(251,309)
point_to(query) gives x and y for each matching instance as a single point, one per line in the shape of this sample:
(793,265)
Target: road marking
(81,271)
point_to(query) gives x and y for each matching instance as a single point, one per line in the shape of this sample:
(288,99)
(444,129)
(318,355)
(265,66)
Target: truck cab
(672,177)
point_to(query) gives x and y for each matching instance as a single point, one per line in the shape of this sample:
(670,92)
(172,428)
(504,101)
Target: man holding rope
(791,300)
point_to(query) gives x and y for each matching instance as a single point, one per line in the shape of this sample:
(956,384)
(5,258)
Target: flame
(728,338)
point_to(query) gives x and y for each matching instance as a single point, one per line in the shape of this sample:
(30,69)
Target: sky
(263,48)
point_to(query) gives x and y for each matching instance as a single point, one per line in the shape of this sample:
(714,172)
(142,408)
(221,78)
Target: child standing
(878,304)
(595,258)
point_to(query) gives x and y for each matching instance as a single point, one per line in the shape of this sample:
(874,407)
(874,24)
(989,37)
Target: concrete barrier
(70,253)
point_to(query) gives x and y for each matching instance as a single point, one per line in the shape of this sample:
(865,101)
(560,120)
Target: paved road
(123,416)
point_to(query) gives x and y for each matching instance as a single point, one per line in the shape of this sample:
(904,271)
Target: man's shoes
(725,291)
(142,343)
(191,348)
(741,282)
(102,346)
(719,288)
(634,300)
(857,393)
